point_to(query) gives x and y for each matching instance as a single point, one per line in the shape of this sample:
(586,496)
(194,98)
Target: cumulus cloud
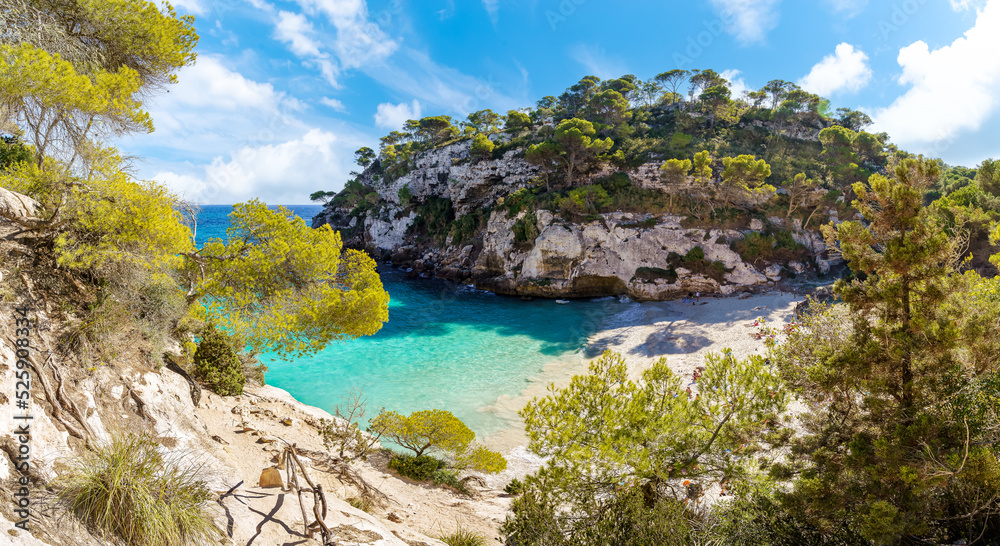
(737,86)
(206,114)
(962,5)
(283,173)
(333,103)
(294,30)
(392,116)
(846,70)
(951,89)
(748,20)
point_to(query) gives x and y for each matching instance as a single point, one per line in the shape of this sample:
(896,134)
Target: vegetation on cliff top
(775,152)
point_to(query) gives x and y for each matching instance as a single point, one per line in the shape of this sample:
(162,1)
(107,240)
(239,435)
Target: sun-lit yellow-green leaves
(675,171)
(605,429)
(106,35)
(437,431)
(104,216)
(286,287)
(746,175)
(59,107)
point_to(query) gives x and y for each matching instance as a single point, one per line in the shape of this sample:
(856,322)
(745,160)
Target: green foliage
(652,274)
(585,200)
(127,490)
(416,467)
(13,151)
(463,229)
(605,434)
(771,245)
(463,537)
(526,229)
(522,199)
(517,121)
(437,431)
(745,175)
(482,146)
(322,197)
(434,219)
(281,285)
(364,157)
(358,197)
(514,487)
(217,363)
(405,196)
(674,172)
(891,369)
(694,261)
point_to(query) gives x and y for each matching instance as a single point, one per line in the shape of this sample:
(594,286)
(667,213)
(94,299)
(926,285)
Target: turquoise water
(446,346)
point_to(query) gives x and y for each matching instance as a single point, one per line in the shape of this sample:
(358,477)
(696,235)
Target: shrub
(522,199)
(463,537)
(525,230)
(464,228)
(769,246)
(514,487)
(217,364)
(651,274)
(127,490)
(434,219)
(437,430)
(417,467)
(482,147)
(405,195)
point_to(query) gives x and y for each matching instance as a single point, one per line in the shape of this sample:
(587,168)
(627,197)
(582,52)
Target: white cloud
(952,89)
(294,30)
(392,116)
(962,5)
(416,75)
(205,114)
(847,69)
(333,103)
(284,173)
(493,9)
(736,84)
(196,7)
(748,20)
(210,84)
(849,8)
(358,40)
(597,63)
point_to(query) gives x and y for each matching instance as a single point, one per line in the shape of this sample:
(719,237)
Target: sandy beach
(645,332)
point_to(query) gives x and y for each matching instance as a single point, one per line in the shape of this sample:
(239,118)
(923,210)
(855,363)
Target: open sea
(446,346)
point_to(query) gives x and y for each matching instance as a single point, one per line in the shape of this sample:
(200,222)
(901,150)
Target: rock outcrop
(609,254)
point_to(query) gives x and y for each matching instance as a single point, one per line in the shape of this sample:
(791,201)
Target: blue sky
(283,92)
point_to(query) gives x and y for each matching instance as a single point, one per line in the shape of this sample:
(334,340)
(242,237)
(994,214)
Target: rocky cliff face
(613,254)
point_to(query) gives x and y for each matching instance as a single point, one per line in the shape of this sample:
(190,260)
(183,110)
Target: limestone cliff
(633,254)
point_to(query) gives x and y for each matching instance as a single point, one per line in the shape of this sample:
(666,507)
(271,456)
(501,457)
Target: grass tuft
(463,537)
(128,490)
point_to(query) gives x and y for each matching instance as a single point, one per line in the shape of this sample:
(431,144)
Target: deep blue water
(446,345)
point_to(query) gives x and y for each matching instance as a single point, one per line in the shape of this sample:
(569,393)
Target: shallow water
(446,346)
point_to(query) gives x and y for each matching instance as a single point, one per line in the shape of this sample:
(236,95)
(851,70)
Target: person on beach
(697,295)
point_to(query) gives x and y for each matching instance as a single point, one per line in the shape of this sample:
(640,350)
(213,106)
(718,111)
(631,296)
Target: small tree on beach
(437,431)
